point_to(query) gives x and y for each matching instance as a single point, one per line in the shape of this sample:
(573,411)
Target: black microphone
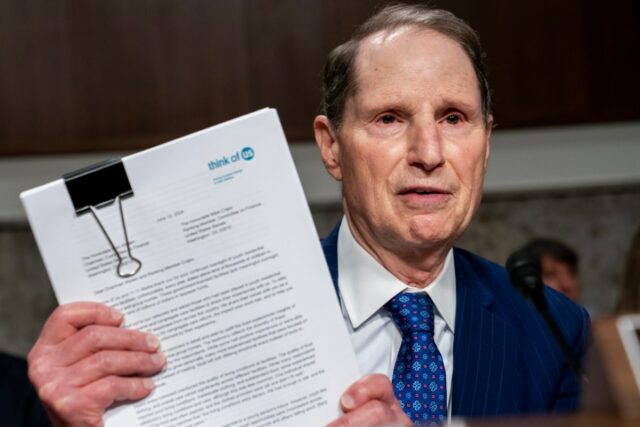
(526,275)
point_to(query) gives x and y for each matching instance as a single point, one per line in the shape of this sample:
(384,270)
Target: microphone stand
(525,273)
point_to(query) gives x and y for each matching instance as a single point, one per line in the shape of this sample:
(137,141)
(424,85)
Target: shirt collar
(365,285)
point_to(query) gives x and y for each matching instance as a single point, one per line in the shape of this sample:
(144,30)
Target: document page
(233,279)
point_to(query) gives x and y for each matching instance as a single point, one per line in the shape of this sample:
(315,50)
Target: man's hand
(370,402)
(83,362)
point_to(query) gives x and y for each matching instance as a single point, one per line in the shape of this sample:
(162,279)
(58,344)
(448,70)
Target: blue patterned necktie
(419,380)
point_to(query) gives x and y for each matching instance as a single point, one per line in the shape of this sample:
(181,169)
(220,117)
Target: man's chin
(426,241)
(431,237)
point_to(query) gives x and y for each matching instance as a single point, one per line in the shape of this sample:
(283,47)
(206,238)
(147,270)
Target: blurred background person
(559,265)
(629,299)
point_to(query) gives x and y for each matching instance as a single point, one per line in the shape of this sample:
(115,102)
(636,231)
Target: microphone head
(525,272)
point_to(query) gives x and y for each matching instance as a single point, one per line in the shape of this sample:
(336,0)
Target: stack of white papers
(233,280)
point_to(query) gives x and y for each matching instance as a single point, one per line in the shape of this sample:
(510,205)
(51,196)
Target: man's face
(412,149)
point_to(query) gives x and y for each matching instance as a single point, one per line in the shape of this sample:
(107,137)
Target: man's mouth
(422,190)
(424,197)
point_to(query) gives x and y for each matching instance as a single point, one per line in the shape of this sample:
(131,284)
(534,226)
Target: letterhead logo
(246,153)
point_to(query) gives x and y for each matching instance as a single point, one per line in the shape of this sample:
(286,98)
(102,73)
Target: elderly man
(405,127)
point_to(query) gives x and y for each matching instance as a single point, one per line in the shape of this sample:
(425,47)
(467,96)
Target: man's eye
(387,119)
(453,119)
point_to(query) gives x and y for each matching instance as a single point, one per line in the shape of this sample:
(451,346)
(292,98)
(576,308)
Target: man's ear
(489,130)
(327,141)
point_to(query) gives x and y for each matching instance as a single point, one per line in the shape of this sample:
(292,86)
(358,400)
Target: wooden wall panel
(88,75)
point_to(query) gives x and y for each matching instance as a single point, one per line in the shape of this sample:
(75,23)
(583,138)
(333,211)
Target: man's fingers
(110,390)
(369,387)
(370,402)
(85,406)
(94,338)
(373,413)
(119,363)
(68,318)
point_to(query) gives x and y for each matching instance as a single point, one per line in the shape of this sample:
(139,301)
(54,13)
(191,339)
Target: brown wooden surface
(577,420)
(95,75)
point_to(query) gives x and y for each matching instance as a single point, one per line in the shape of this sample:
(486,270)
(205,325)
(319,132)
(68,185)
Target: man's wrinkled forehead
(376,41)
(380,44)
(380,52)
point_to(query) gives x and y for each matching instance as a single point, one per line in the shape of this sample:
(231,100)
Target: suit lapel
(330,249)
(484,349)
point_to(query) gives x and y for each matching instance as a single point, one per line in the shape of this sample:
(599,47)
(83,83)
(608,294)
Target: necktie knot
(411,312)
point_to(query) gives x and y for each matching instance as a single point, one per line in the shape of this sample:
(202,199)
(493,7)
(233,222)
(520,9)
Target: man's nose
(426,146)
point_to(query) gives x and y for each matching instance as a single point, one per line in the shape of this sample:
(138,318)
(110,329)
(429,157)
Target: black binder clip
(97,186)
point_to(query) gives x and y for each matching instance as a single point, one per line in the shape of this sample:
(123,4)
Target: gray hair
(338,76)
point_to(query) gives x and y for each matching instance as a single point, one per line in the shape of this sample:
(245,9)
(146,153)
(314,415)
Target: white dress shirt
(365,286)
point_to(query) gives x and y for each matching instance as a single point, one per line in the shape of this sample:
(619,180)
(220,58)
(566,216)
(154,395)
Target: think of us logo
(247,153)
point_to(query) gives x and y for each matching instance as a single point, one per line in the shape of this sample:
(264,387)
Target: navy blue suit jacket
(19,403)
(505,359)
